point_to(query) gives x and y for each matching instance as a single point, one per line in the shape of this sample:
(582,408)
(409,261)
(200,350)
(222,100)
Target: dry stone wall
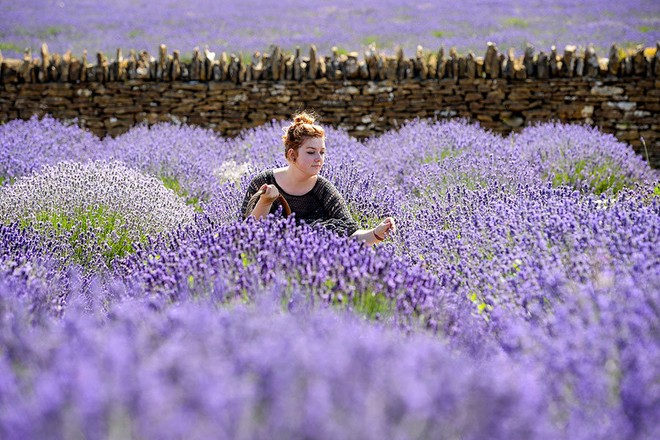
(620,95)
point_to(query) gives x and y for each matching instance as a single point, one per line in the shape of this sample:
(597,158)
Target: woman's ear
(292,154)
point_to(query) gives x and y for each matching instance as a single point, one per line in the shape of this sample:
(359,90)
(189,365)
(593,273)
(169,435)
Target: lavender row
(199,371)
(97,371)
(277,65)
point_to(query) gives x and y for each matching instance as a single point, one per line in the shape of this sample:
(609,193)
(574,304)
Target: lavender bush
(26,146)
(100,208)
(519,298)
(583,158)
(165,152)
(248,26)
(241,260)
(32,272)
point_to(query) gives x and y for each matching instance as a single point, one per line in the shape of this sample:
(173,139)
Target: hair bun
(303,118)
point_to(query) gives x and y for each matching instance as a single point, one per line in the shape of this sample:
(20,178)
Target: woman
(312,197)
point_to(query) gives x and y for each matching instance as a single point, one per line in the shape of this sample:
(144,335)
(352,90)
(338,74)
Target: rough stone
(606,90)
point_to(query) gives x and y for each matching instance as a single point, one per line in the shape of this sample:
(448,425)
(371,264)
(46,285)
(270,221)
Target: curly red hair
(301,128)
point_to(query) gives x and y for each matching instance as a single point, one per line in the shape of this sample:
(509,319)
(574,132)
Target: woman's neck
(293,181)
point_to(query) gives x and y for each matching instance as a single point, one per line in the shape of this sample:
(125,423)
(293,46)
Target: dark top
(322,205)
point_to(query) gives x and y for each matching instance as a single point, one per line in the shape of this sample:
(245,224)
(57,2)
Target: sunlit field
(249,25)
(519,297)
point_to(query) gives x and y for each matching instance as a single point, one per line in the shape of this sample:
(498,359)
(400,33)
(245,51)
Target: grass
(106,229)
(135,33)
(50,31)
(373,305)
(174,184)
(600,178)
(445,153)
(516,22)
(10,47)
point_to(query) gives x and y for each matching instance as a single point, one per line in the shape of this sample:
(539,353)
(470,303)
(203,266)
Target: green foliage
(644,29)
(10,47)
(174,184)
(6,180)
(51,31)
(135,33)
(445,153)
(363,218)
(514,270)
(246,260)
(111,237)
(368,303)
(369,40)
(656,190)
(601,178)
(439,34)
(516,22)
(372,304)
(480,305)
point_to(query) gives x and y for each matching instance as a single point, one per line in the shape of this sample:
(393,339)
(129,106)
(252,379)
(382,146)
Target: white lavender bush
(100,207)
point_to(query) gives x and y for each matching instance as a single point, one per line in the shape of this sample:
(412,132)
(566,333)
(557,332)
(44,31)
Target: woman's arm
(265,202)
(338,209)
(377,234)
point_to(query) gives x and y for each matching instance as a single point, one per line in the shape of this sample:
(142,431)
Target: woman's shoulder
(324,185)
(264,176)
(327,192)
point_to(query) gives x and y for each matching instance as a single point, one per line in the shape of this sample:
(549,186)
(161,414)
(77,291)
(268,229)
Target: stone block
(348,90)
(627,135)
(123,110)
(495,96)
(606,90)
(625,106)
(473,97)
(519,94)
(516,106)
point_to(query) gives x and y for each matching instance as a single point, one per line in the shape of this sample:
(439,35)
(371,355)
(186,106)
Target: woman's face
(311,155)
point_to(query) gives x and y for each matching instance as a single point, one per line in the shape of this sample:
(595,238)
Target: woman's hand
(270,193)
(385,227)
(377,234)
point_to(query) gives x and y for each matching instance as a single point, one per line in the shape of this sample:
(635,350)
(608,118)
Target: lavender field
(249,25)
(519,298)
